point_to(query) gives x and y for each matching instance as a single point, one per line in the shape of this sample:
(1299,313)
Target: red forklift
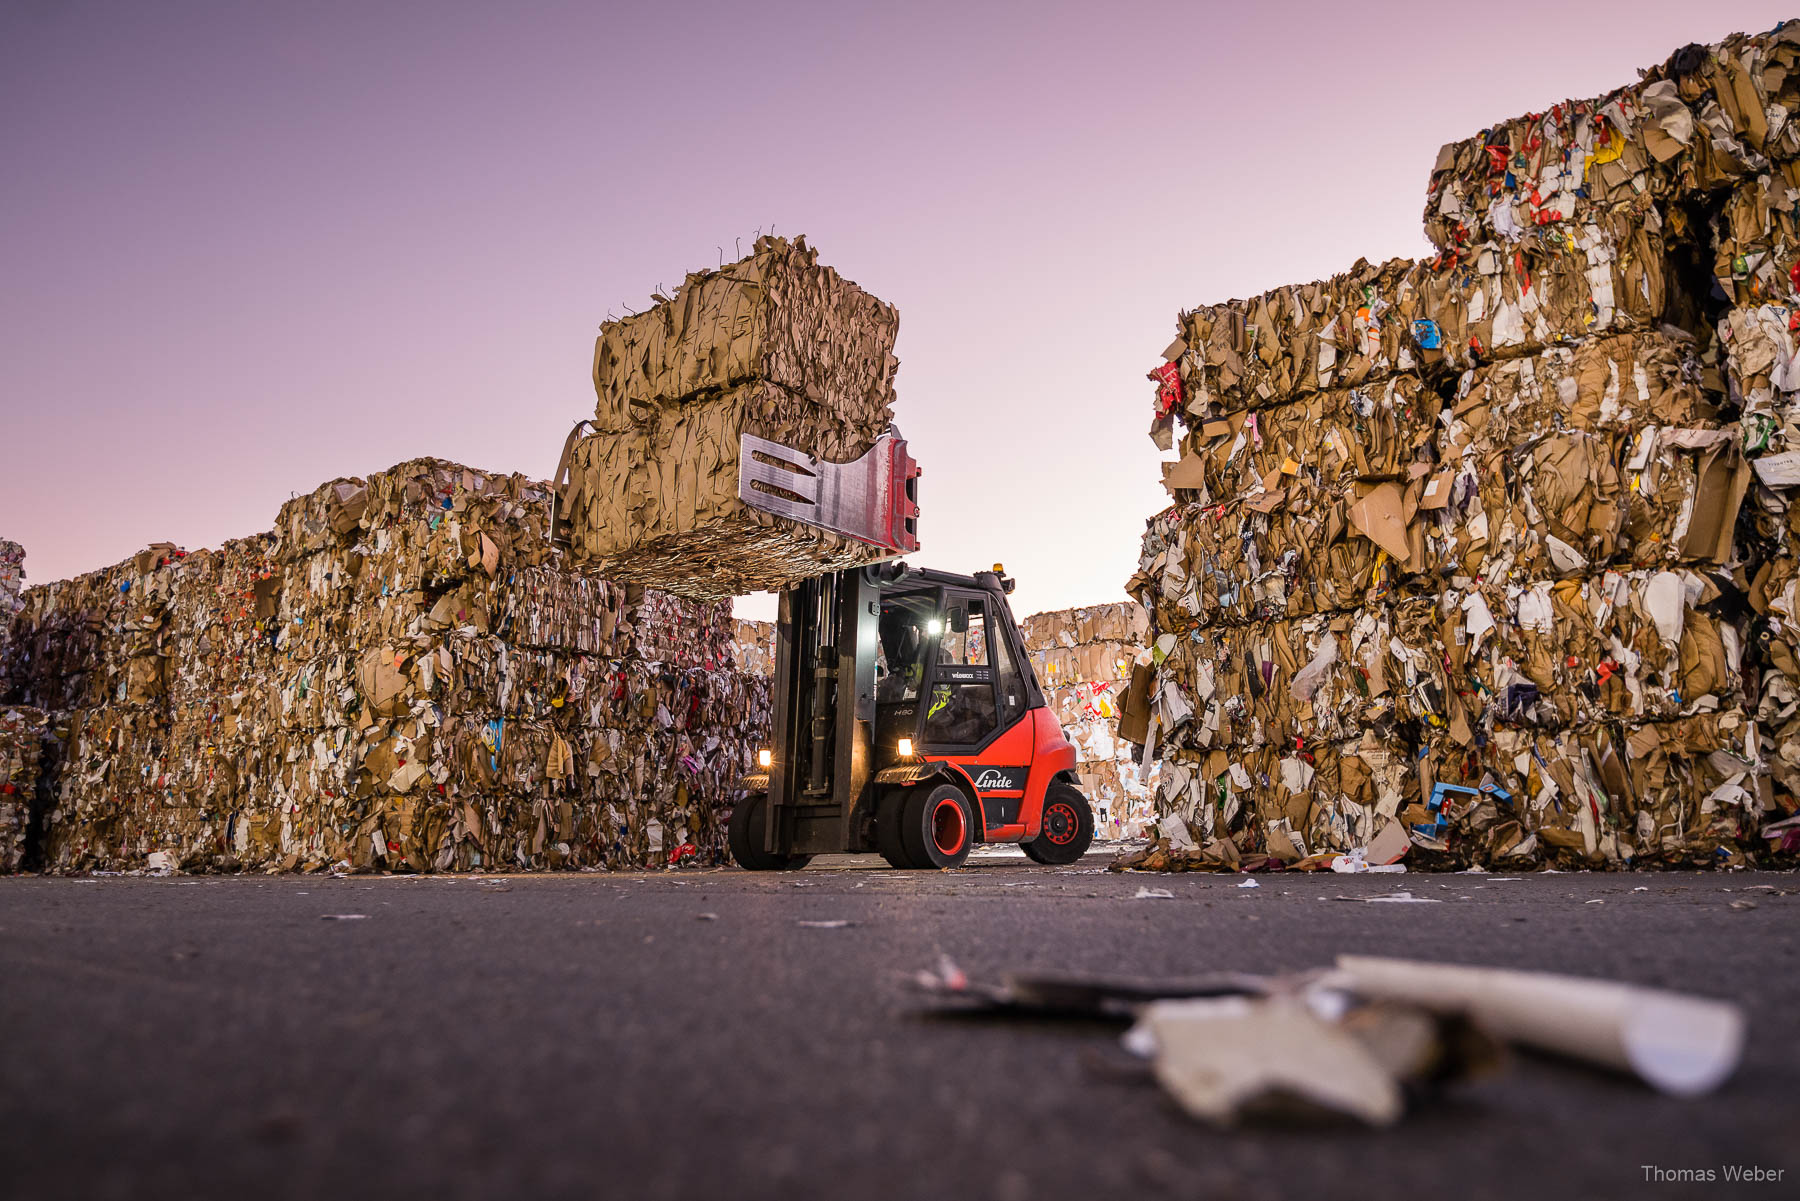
(906,719)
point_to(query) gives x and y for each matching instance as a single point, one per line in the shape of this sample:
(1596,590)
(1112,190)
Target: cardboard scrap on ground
(1365,1038)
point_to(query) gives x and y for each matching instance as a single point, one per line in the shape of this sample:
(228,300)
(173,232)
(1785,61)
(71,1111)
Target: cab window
(961,709)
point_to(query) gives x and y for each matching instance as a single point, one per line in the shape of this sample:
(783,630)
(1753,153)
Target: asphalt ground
(686,1034)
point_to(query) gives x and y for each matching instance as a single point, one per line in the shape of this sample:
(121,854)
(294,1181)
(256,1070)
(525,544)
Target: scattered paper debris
(1249,884)
(343,917)
(1360,1038)
(1153,894)
(833,924)
(1402,898)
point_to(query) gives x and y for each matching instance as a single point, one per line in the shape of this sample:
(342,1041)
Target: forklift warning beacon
(906,718)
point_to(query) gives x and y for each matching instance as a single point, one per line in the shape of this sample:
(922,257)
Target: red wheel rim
(1061,823)
(948,827)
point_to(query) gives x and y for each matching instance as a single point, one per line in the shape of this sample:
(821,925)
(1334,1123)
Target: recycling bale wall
(402,674)
(775,345)
(1083,659)
(1485,559)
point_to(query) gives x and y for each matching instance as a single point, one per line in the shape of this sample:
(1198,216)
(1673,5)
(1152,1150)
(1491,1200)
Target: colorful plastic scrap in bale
(1490,559)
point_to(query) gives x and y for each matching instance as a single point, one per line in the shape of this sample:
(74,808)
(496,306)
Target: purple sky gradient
(249,248)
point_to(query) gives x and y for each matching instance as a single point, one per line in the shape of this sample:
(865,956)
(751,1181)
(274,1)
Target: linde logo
(991,779)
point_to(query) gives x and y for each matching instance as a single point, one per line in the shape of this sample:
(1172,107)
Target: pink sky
(249,248)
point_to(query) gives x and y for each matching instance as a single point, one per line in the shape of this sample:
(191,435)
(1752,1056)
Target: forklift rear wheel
(746,835)
(1068,828)
(937,827)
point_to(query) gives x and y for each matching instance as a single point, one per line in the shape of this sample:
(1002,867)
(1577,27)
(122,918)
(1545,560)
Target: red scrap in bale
(1168,388)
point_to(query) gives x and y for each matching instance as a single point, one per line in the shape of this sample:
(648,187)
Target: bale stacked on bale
(403,675)
(1083,659)
(775,345)
(1488,556)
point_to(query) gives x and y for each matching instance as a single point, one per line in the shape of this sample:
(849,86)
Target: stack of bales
(775,345)
(1488,555)
(1083,659)
(401,674)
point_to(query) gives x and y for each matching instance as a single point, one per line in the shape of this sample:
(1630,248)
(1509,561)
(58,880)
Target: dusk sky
(251,247)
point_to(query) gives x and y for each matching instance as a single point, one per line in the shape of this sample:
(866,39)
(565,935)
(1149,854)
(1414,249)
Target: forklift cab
(906,719)
(943,679)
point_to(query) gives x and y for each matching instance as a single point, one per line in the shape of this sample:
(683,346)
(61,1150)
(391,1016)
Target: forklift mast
(823,709)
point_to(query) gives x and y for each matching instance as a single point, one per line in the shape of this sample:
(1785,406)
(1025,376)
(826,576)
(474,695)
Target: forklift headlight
(906,748)
(934,627)
(764,759)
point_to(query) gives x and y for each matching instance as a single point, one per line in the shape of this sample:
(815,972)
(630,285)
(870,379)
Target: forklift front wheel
(1068,828)
(937,827)
(746,835)
(890,813)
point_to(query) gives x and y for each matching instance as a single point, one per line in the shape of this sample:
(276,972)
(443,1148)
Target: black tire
(746,836)
(889,813)
(937,827)
(1068,827)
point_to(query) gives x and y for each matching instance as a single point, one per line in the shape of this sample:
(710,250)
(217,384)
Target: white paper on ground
(1680,1044)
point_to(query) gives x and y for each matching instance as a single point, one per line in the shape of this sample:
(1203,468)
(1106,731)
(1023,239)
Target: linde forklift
(906,718)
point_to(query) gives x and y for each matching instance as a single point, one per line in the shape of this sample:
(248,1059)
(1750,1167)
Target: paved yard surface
(684,1035)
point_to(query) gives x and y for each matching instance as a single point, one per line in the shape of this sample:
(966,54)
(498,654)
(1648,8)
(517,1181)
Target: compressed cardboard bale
(658,504)
(777,316)
(753,646)
(1339,332)
(1756,263)
(23,732)
(1614,382)
(1319,678)
(1704,119)
(774,346)
(1309,551)
(1508,298)
(12,582)
(1609,794)
(1083,659)
(1331,437)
